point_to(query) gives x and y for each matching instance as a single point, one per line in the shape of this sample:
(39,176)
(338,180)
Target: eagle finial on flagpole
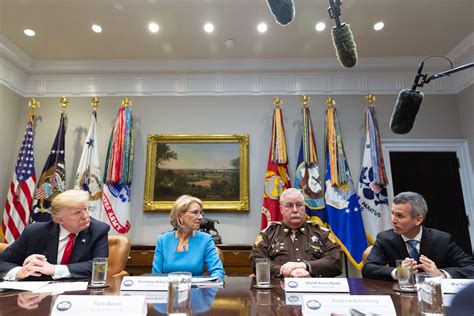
(370,99)
(126,102)
(305,99)
(33,104)
(277,101)
(64,103)
(330,102)
(95,102)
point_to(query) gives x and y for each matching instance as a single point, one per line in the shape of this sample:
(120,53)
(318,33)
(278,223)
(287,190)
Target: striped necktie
(414,254)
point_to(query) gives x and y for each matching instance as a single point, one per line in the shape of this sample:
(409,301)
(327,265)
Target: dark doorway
(435,175)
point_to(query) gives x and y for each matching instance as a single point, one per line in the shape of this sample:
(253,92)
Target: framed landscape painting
(213,168)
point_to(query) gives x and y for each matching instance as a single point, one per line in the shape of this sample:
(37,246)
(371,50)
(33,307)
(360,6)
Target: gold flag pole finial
(64,103)
(277,101)
(305,99)
(370,99)
(126,102)
(33,104)
(95,102)
(330,101)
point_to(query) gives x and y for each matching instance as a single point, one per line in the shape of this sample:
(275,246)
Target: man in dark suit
(422,248)
(61,248)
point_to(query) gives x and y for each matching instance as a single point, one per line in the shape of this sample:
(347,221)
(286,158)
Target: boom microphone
(342,37)
(282,10)
(407,106)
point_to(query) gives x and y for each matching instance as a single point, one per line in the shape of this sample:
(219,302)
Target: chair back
(366,253)
(3,245)
(119,249)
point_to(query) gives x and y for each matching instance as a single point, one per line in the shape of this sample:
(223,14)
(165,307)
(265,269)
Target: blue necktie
(414,254)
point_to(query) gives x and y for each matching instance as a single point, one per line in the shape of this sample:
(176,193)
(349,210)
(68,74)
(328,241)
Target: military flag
(118,172)
(373,197)
(53,178)
(88,175)
(276,176)
(342,203)
(17,211)
(307,176)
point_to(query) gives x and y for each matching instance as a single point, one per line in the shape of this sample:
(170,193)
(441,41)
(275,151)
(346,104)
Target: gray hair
(417,202)
(180,206)
(290,191)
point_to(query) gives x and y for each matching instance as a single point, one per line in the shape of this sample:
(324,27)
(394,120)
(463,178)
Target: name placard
(296,298)
(324,285)
(151,297)
(92,305)
(144,283)
(347,305)
(454,285)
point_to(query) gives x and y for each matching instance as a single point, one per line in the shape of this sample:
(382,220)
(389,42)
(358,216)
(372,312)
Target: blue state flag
(307,179)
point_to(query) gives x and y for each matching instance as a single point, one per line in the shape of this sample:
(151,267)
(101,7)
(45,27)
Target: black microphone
(407,106)
(342,37)
(282,10)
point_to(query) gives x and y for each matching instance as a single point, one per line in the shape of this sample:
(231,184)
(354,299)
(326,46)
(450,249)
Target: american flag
(16,214)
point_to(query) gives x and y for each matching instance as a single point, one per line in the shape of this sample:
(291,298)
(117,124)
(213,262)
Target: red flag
(276,177)
(17,210)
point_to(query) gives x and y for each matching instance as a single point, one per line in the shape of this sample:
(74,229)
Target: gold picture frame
(213,168)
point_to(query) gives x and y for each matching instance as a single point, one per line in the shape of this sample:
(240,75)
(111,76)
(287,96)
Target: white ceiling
(63,28)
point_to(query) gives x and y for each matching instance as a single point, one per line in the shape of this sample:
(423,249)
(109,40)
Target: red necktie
(68,250)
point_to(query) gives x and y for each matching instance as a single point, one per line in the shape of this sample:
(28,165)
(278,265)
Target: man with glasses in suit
(295,247)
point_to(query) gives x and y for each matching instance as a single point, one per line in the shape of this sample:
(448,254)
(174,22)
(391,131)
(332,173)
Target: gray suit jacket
(43,238)
(436,245)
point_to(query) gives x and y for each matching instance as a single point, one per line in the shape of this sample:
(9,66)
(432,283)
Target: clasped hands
(35,265)
(425,263)
(294,270)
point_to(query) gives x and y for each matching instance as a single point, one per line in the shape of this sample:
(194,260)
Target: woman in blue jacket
(186,248)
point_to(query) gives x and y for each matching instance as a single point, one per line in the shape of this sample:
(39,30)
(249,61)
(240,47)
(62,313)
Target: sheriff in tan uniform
(297,248)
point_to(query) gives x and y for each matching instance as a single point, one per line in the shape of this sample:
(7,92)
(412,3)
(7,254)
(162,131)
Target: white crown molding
(171,77)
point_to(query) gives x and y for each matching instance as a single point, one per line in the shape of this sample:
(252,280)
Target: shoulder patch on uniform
(259,240)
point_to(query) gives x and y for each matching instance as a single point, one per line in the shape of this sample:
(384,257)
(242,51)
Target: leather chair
(119,250)
(3,245)
(366,253)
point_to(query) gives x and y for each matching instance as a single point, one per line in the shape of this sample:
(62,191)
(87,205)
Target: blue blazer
(43,238)
(201,251)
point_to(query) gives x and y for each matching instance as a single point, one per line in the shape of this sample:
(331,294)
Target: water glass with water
(430,294)
(179,293)
(405,276)
(262,268)
(99,272)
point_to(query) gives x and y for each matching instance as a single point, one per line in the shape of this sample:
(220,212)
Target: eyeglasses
(291,205)
(196,213)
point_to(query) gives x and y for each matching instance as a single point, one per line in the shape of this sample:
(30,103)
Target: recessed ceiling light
(209,27)
(153,27)
(378,26)
(29,32)
(262,27)
(96,28)
(320,26)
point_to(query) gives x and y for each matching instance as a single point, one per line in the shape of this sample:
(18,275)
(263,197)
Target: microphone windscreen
(405,110)
(282,10)
(343,41)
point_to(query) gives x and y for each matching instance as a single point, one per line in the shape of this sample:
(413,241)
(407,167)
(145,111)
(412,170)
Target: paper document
(23,285)
(203,279)
(60,287)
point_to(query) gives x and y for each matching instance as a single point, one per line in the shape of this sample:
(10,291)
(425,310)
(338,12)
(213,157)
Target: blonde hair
(67,199)
(180,206)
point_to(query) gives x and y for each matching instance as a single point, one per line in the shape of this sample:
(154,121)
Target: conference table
(237,297)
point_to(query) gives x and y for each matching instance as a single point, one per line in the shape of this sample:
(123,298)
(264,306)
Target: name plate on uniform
(92,305)
(144,283)
(324,285)
(454,285)
(348,305)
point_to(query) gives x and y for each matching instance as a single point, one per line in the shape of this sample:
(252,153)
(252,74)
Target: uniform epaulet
(271,224)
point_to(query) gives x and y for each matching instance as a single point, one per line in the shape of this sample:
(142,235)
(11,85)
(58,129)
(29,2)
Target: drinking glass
(99,272)
(405,276)
(430,294)
(179,293)
(262,268)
